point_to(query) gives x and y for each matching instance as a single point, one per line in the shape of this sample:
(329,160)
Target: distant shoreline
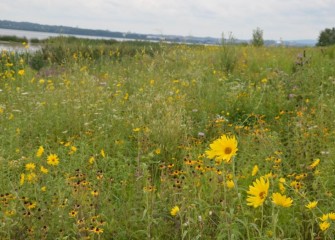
(106,34)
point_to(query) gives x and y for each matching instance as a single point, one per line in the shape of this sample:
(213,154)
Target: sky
(279,19)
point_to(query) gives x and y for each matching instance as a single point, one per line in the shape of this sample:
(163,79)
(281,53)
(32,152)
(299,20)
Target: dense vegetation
(13,39)
(326,37)
(108,140)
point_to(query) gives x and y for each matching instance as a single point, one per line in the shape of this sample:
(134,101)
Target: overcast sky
(286,19)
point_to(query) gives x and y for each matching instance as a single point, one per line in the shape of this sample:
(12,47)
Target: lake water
(40,36)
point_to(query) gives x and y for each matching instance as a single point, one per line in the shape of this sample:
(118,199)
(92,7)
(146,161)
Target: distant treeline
(67,30)
(104,33)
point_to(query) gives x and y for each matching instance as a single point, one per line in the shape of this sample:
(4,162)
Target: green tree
(257,37)
(327,37)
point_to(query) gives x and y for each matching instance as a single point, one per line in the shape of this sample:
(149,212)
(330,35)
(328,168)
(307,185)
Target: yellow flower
(331,216)
(21,72)
(327,216)
(223,149)
(315,163)
(22,177)
(44,170)
(282,180)
(31,177)
(73,149)
(96,230)
(94,193)
(324,226)
(40,151)
(102,152)
(91,160)
(9,213)
(31,205)
(43,189)
(281,200)
(254,170)
(230,184)
(30,166)
(264,80)
(158,151)
(53,160)
(174,211)
(324,217)
(281,187)
(258,192)
(136,129)
(73,213)
(311,205)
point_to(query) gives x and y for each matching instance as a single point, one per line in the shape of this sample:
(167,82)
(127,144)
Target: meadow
(133,140)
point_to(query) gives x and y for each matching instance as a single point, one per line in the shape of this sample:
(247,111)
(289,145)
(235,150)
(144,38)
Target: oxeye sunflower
(281,200)
(258,192)
(223,149)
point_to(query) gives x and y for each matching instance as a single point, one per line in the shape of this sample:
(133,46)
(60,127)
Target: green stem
(274,221)
(262,219)
(225,202)
(239,198)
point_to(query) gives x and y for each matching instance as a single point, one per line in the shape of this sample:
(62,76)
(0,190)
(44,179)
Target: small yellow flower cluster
(326,220)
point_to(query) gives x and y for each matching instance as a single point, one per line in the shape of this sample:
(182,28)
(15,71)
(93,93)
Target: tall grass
(130,123)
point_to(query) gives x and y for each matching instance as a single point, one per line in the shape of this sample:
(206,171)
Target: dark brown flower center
(228,150)
(262,195)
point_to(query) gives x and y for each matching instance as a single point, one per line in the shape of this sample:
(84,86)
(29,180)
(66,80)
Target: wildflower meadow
(134,140)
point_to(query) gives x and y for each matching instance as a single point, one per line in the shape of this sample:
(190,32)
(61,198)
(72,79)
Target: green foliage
(326,37)
(13,39)
(228,54)
(257,38)
(131,123)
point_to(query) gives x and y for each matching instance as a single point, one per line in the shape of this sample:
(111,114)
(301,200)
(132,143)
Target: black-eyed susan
(95,193)
(223,149)
(258,192)
(53,160)
(96,230)
(174,211)
(31,205)
(73,213)
(281,200)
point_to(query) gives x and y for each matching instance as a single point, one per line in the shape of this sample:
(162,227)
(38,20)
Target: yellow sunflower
(258,192)
(53,160)
(223,149)
(281,200)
